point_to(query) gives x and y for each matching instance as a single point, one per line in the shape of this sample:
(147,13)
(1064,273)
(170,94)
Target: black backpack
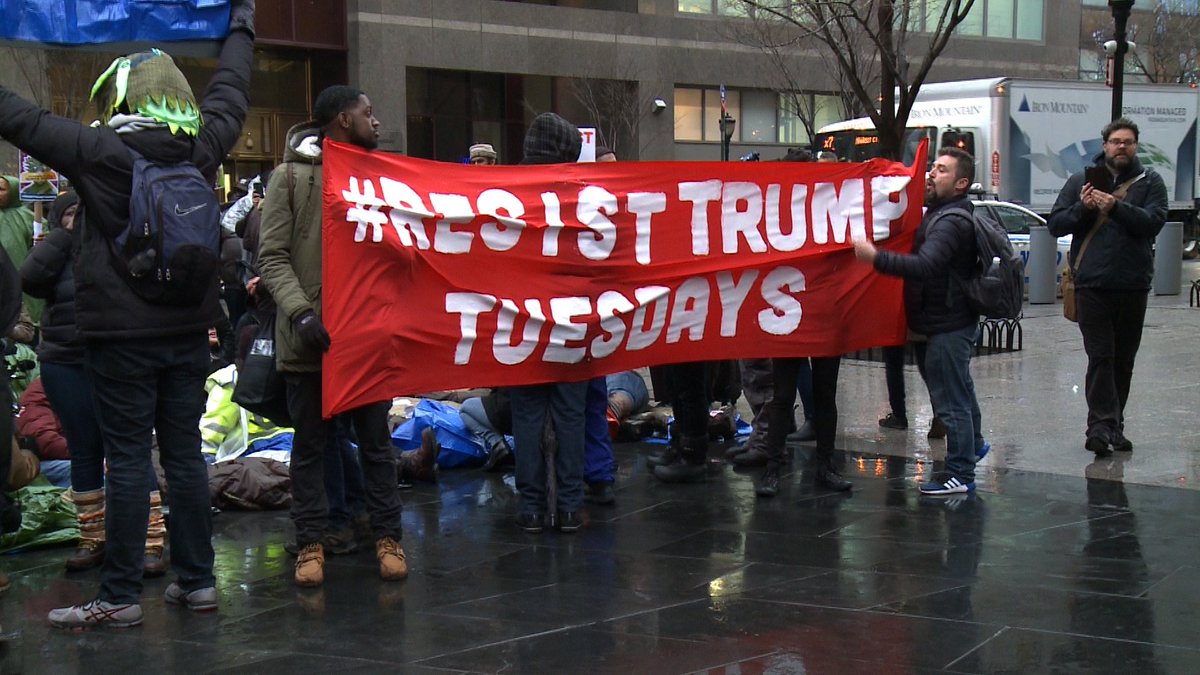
(170,250)
(996,286)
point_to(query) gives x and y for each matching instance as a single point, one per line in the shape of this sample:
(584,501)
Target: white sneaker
(96,613)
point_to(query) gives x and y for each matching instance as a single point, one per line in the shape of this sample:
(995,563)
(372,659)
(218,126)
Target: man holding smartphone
(1113,233)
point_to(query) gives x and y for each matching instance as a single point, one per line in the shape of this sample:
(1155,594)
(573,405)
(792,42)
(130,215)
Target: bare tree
(1167,50)
(867,36)
(783,43)
(616,108)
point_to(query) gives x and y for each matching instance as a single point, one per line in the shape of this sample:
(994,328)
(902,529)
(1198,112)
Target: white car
(1017,220)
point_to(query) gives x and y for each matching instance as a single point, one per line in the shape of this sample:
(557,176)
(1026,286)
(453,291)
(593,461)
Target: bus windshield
(859,145)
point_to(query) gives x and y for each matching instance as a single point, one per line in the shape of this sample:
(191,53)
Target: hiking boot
(894,421)
(420,464)
(392,566)
(88,554)
(153,564)
(936,429)
(200,600)
(752,457)
(310,566)
(945,484)
(97,613)
(806,433)
(721,424)
(768,483)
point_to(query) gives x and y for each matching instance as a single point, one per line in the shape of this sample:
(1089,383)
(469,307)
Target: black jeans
(143,386)
(825,414)
(1111,325)
(893,366)
(563,403)
(688,383)
(310,505)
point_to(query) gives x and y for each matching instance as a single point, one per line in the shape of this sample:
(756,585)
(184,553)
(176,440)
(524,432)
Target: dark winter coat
(98,163)
(1121,255)
(942,257)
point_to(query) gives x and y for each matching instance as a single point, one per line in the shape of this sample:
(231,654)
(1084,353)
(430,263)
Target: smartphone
(1100,178)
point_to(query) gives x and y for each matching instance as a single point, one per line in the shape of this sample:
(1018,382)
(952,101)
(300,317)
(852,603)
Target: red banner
(444,276)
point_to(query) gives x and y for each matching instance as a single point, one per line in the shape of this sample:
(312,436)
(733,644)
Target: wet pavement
(1057,564)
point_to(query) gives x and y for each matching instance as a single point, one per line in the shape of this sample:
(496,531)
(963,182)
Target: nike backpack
(169,252)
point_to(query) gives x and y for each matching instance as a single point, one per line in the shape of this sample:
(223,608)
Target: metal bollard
(1041,267)
(1168,259)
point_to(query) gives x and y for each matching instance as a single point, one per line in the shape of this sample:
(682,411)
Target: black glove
(311,331)
(241,15)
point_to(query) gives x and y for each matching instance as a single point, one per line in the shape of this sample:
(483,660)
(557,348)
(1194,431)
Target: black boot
(828,476)
(690,466)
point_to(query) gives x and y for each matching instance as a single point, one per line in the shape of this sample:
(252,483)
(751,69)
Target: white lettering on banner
(655,314)
(503,231)
(700,194)
(785,313)
(595,205)
(505,351)
(743,222)
(468,306)
(365,212)
(751,222)
(407,212)
(644,205)
(836,210)
(454,209)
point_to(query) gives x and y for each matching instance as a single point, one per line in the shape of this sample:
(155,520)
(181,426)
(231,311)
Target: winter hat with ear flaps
(149,83)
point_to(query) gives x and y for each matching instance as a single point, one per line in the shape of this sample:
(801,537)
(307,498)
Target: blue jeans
(563,403)
(952,392)
(475,419)
(632,384)
(599,466)
(69,390)
(143,386)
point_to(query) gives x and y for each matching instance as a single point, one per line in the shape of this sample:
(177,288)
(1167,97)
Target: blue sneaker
(945,484)
(983,451)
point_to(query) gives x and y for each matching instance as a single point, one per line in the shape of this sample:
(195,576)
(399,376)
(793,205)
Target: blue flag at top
(74,22)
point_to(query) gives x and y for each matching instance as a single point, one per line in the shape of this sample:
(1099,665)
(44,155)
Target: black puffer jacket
(47,274)
(99,165)
(943,254)
(1121,255)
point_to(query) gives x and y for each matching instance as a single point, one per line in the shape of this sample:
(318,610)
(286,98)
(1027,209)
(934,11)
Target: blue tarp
(95,21)
(459,447)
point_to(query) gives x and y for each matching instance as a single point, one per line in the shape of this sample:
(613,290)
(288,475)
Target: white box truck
(1028,136)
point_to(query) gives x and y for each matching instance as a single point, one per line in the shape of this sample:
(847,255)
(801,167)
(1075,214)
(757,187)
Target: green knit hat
(150,83)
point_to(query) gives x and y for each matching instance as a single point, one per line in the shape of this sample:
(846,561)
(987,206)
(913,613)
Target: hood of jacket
(551,140)
(14,193)
(303,143)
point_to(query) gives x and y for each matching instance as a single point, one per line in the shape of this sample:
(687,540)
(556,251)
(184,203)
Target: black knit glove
(312,333)
(241,15)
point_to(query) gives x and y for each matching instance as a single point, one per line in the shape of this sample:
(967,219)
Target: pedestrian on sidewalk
(1112,254)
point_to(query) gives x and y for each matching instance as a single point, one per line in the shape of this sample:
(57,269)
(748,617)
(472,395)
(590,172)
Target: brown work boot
(310,566)
(392,566)
(420,464)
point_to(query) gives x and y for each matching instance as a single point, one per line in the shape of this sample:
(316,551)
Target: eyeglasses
(1121,142)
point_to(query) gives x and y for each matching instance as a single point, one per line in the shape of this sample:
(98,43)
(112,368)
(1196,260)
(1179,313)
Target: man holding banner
(944,254)
(290,260)
(148,356)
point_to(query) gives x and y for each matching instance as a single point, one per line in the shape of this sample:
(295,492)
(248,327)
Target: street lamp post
(1120,12)
(728,124)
